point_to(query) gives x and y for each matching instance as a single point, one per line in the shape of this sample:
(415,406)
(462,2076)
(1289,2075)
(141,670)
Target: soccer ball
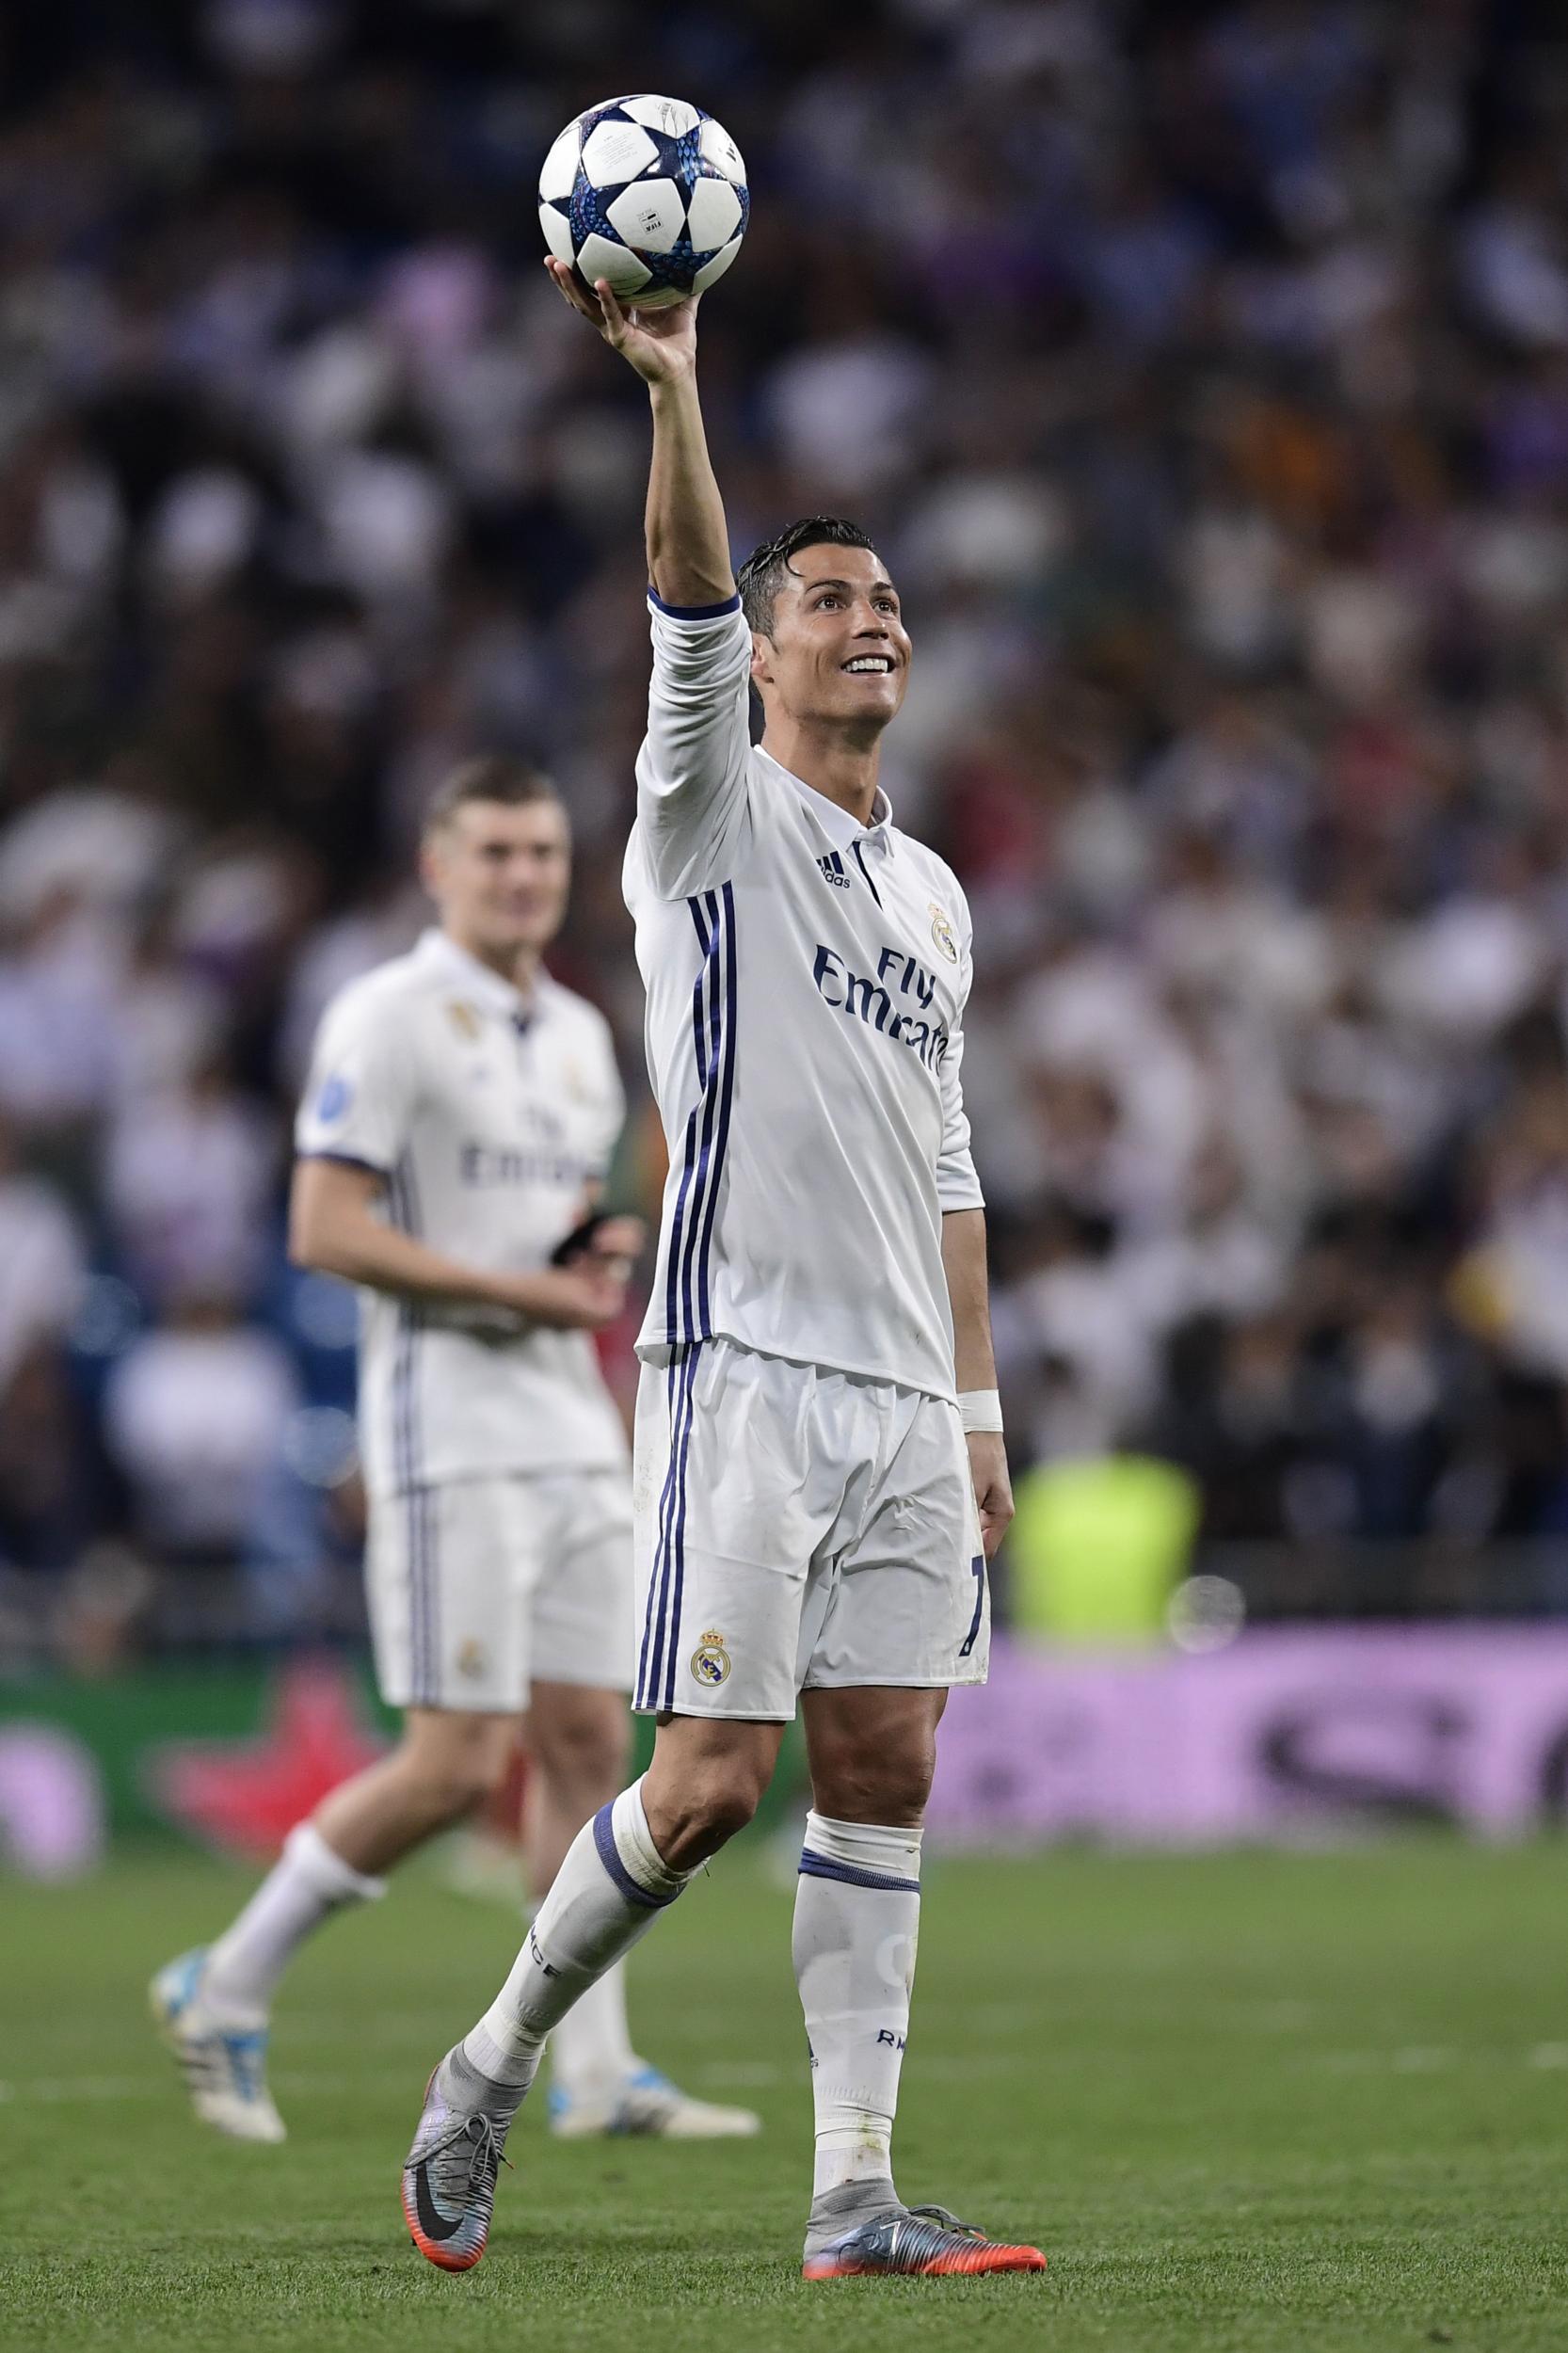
(650,193)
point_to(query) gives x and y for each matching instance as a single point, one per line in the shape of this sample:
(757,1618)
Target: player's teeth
(873,663)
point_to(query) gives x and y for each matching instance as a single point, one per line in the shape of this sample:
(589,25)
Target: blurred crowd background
(1203,373)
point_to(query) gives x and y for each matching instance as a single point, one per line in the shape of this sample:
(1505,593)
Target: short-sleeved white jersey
(805,979)
(487,1114)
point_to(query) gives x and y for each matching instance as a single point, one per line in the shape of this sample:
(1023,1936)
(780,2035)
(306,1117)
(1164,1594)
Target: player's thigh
(731,1498)
(908,1604)
(579,1599)
(444,1596)
(463,1748)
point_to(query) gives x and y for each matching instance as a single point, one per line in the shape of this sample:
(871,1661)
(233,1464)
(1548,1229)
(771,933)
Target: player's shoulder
(385,993)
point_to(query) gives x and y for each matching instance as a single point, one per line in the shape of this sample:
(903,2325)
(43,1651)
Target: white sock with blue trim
(858,1911)
(609,1891)
(305,1886)
(590,2050)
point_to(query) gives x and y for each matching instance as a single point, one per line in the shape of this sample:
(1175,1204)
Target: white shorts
(480,1586)
(796,1530)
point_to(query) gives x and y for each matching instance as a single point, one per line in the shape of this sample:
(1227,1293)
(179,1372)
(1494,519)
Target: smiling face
(500,874)
(837,654)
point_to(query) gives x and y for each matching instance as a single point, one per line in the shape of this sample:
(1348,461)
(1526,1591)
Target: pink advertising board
(1288,1733)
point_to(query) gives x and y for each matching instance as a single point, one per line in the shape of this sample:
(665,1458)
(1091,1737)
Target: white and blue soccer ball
(650,193)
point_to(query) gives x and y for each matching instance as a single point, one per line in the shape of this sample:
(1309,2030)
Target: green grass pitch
(1248,2104)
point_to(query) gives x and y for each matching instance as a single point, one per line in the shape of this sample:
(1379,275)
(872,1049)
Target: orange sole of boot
(432,2253)
(429,2248)
(965,2263)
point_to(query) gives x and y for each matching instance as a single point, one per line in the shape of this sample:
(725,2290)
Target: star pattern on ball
(649,193)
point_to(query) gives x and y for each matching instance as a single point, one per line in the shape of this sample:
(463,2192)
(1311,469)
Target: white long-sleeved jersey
(805,979)
(487,1116)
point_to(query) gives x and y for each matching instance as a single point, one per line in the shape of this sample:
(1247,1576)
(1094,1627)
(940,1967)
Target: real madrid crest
(711,1662)
(941,932)
(463,1019)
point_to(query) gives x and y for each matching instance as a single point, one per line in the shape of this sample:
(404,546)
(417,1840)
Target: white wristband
(980,1409)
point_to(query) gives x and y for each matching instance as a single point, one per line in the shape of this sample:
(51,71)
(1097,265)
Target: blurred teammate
(811,1516)
(456,1130)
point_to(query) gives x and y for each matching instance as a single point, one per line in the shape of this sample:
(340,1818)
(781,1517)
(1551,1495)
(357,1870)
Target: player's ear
(761,659)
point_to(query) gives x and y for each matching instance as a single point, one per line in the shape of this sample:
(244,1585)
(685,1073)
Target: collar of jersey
(841,829)
(497,995)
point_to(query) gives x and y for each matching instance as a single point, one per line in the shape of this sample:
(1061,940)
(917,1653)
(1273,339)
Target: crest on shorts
(463,1019)
(470,1658)
(941,932)
(711,1662)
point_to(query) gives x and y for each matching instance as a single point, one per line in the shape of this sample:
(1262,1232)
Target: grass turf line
(1248,2104)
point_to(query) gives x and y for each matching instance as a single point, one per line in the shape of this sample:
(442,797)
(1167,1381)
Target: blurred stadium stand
(1203,373)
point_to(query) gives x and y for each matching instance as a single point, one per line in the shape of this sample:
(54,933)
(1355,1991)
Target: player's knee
(886,1783)
(457,1773)
(711,1805)
(583,1759)
(712,1817)
(580,1748)
(705,1783)
(463,1783)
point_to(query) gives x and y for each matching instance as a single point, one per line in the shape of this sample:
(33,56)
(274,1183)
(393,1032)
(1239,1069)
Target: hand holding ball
(647,193)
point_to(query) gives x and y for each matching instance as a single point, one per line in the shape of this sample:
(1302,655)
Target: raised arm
(692,771)
(688,547)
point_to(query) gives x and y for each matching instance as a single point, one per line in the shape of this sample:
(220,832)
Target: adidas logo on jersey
(833,871)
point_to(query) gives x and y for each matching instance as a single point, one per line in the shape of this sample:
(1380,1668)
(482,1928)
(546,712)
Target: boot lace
(948,2222)
(487,2156)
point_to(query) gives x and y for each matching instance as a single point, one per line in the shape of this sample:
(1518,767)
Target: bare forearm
(334,1227)
(688,545)
(968,1293)
(964,1264)
(361,1250)
(384,1258)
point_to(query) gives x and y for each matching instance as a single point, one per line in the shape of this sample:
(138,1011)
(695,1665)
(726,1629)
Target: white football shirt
(487,1113)
(805,979)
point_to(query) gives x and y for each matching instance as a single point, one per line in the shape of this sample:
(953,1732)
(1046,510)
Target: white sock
(857,1910)
(590,2049)
(306,1884)
(609,1891)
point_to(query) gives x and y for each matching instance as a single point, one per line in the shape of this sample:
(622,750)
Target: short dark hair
(487,776)
(762,575)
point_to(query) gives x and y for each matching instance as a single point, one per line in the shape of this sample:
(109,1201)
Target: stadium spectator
(195,1417)
(1205,380)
